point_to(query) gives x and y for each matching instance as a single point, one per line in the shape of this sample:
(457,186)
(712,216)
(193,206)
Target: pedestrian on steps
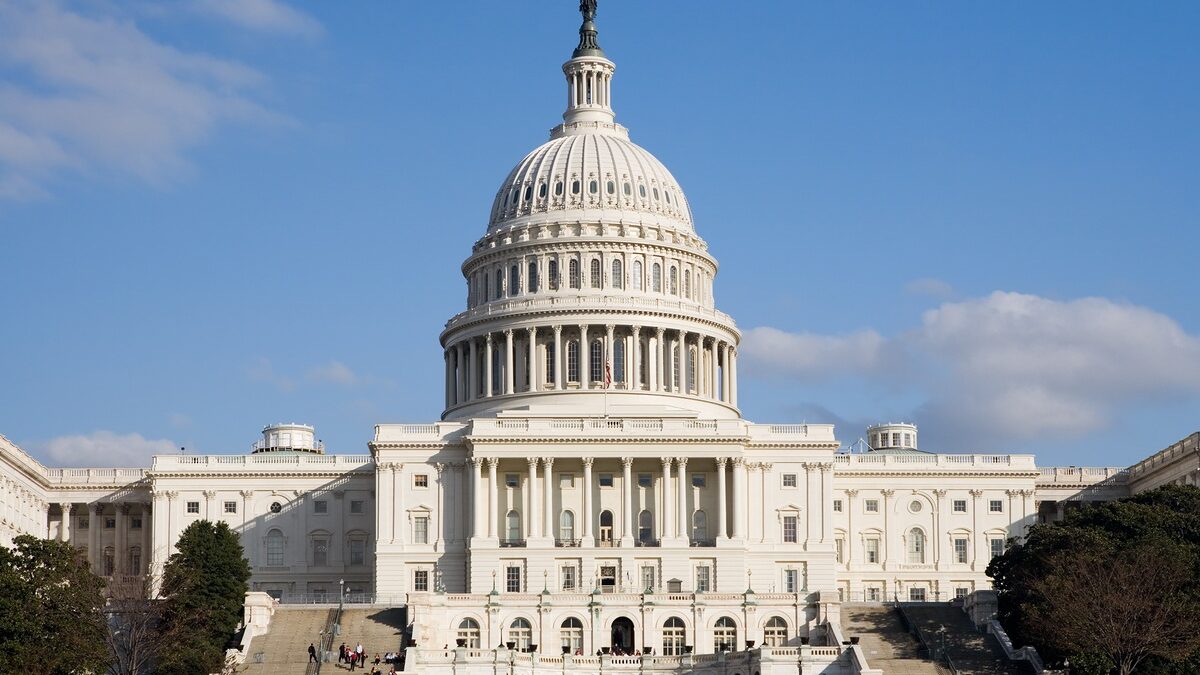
(312,653)
(342,653)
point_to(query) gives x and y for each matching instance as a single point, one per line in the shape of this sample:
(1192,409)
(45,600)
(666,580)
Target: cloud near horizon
(1010,366)
(268,16)
(104,449)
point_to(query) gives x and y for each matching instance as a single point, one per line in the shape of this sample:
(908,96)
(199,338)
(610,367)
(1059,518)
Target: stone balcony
(926,461)
(616,427)
(265,463)
(582,301)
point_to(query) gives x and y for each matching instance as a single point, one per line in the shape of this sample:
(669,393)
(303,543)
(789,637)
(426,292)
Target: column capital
(488,338)
(557,329)
(532,330)
(98,507)
(721,462)
(851,493)
(66,507)
(627,462)
(123,508)
(247,494)
(739,462)
(939,493)
(533,462)
(475,461)
(659,330)
(587,461)
(492,462)
(508,333)
(681,461)
(610,327)
(666,462)
(209,494)
(548,462)
(636,329)
(976,493)
(887,493)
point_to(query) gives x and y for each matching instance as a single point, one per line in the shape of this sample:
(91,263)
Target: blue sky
(979,217)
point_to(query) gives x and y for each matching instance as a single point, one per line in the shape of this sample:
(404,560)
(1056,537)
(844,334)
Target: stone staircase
(972,652)
(885,642)
(379,629)
(284,649)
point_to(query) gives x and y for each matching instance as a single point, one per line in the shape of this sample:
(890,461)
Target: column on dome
(658,351)
(508,361)
(713,375)
(739,498)
(558,359)
(530,516)
(493,497)
(585,358)
(634,375)
(684,358)
(531,361)
(586,516)
(473,371)
(683,517)
(725,372)
(449,369)
(627,501)
(548,496)
(667,531)
(722,524)
(460,372)
(487,367)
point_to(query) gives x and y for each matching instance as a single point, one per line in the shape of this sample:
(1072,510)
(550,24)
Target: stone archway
(622,636)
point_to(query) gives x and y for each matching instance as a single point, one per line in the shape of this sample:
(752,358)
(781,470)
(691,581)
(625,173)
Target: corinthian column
(587,502)
(493,497)
(531,519)
(548,496)
(683,519)
(531,367)
(487,366)
(558,359)
(508,361)
(668,521)
(585,358)
(722,528)
(636,359)
(739,498)
(627,501)
(477,527)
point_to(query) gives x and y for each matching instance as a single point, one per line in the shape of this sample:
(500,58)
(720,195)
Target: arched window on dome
(550,376)
(618,275)
(533,276)
(528,192)
(687,286)
(596,274)
(611,187)
(542,191)
(643,367)
(558,189)
(552,270)
(575,187)
(674,280)
(655,194)
(596,361)
(635,275)
(916,546)
(628,190)
(499,284)
(642,191)
(675,368)
(514,280)
(573,273)
(573,361)
(691,370)
(593,187)
(618,361)
(667,194)
(656,278)
(486,286)
(497,376)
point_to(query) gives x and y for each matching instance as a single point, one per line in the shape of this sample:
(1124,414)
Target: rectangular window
(837,506)
(421,580)
(421,480)
(789,480)
(320,552)
(606,480)
(421,530)
(840,549)
(873,550)
(871,505)
(960,550)
(960,593)
(135,523)
(960,506)
(698,480)
(789,529)
(83,523)
(997,546)
(230,507)
(511,480)
(512,579)
(566,480)
(110,523)
(648,577)
(356,507)
(645,480)
(568,578)
(320,506)
(193,507)
(916,594)
(995,506)
(358,552)
(873,594)
(703,579)
(791,581)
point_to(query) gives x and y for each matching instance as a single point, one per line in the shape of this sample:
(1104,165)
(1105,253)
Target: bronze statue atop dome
(588,9)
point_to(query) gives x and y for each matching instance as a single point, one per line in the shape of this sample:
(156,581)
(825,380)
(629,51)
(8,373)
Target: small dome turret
(288,438)
(892,436)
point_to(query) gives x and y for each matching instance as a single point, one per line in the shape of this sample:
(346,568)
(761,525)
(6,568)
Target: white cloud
(1009,366)
(335,372)
(105,448)
(95,94)
(262,15)
(179,420)
(263,371)
(934,288)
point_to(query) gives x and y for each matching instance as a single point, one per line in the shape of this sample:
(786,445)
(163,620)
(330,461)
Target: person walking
(312,653)
(342,653)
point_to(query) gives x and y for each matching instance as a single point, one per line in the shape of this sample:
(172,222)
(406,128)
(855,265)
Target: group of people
(357,657)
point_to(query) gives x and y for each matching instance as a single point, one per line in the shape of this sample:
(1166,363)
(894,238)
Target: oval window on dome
(611,187)
(542,191)
(628,190)
(593,187)
(667,195)
(655,194)
(642,191)
(575,187)
(558,189)
(528,193)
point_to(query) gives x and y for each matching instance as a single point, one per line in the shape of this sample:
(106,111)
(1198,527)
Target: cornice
(636,315)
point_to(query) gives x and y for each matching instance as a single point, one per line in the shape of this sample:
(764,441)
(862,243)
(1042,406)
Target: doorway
(622,635)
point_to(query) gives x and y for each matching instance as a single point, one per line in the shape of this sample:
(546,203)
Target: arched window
(468,631)
(550,363)
(593,187)
(552,268)
(606,528)
(512,530)
(571,636)
(574,187)
(674,280)
(135,560)
(275,548)
(528,192)
(642,191)
(618,275)
(573,273)
(514,280)
(521,633)
(916,546)
(497,376)
(595,273)
(558,189)
(687,285)
(611,187)
(673,637)
(775,633)
(573,361)
(619,360)
(109,563)
(645,527)
(636,277)
(724,635)
(542,191)
(691,370)
(675,368)
(699,526)
(596,361)
(656,278)
(499,284)
(566,526)
(533,278)
(487,286)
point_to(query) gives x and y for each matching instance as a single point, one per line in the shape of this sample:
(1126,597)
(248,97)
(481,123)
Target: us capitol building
(592,482)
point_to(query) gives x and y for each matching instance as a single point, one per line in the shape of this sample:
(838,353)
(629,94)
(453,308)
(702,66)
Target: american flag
(607,376)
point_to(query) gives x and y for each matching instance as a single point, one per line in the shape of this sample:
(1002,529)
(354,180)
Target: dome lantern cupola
(589,75)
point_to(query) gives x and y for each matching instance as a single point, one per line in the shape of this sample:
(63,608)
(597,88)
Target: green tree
(1116,585)
(50,610)
(204,584)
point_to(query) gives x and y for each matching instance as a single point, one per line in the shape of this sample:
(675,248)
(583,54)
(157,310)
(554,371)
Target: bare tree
(135,625)
(1128,605)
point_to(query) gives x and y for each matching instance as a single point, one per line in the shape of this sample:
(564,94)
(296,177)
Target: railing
(1189,445)
(1081,475)
(325,640)
(703,543)
(873,460)
(512,543)
(646,543)
(916,631)
(567,543)
(220,462)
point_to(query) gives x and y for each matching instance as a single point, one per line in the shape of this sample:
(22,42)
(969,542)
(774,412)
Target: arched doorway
(622,635)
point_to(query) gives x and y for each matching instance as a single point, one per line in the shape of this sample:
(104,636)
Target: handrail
(915,630)
(326,639)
